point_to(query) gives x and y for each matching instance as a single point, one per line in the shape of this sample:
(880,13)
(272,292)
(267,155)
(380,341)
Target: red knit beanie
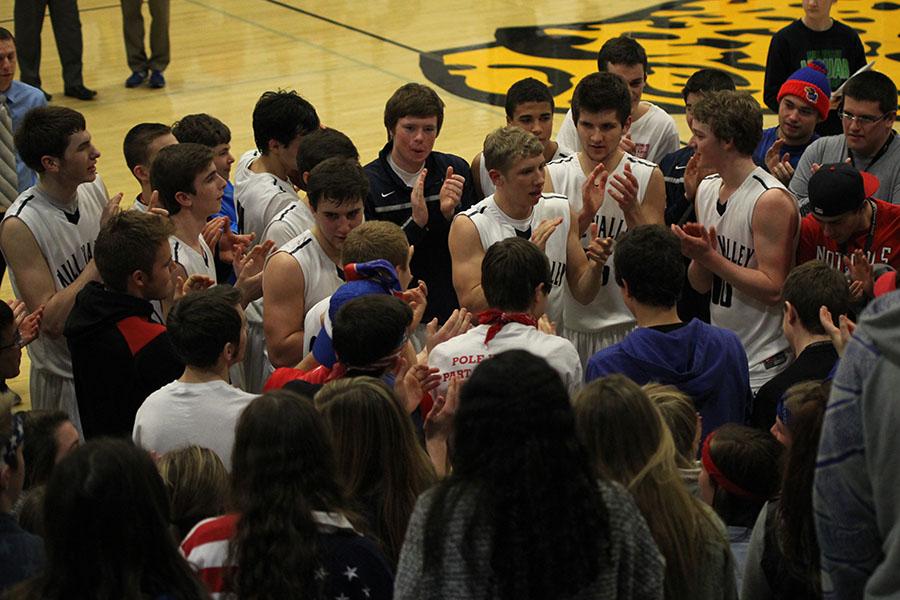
(810,84)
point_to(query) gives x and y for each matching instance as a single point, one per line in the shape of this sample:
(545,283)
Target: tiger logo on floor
(680,37)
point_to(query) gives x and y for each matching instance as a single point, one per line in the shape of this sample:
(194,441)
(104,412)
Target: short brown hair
(504,146)
(733,117)
(373,240)
(812,285)
(174,170)
(127,243)
(413,100)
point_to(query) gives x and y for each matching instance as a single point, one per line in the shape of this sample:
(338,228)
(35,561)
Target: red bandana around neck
(497,319)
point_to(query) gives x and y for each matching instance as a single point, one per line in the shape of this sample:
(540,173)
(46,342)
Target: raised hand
(27,324)
(546,325)
(439,421)
(543,232)
(593,190)
(840,336)
(598,249)
(417,298)
(623,188)
(229,241)
(156,206)
(451,193)
(627,144)
(212,231)
(417,200)
(111,209)
(413,382)
(458,322)
(696,242)
(249,269)
(861,272)
(194,283)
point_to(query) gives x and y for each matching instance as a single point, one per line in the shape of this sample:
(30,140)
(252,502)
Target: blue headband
(783,412)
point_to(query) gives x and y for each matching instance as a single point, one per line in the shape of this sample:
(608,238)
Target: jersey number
(721,293)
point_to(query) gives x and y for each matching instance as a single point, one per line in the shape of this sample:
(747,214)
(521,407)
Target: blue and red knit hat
(810,84)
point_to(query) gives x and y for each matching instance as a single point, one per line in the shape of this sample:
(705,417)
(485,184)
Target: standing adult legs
(133,32)
(29,18)
(159,34)
(67,31)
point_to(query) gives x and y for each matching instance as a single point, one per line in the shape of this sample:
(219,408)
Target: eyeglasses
(16,343)
(862,119)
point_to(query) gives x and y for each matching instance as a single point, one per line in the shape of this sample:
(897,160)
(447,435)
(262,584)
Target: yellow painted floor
(348,56)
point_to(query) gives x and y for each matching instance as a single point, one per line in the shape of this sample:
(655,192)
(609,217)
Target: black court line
(344,25)
(81,10)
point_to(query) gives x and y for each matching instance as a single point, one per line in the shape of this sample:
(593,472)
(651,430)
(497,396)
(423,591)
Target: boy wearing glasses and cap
(868,142)
(847,227)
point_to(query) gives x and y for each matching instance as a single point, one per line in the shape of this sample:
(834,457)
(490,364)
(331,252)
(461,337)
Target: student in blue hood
(705,362)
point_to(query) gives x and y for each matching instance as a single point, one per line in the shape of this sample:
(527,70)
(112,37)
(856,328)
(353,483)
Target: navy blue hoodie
(705,362)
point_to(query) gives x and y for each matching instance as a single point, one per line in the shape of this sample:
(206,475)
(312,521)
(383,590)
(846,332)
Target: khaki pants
(133,30)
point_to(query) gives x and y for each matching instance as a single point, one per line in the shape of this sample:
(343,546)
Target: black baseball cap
(839,188)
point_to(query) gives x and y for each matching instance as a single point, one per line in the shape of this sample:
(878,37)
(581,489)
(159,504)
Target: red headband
(717,475)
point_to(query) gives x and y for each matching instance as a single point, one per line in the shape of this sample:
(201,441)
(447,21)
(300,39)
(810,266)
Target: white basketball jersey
(258,197)
(654,134)
(755,323)
(296,218)
(139,206)
(459,356)
(494,225)
(66,240)
(194,263)
(607,309)
(321,276)
(487,186)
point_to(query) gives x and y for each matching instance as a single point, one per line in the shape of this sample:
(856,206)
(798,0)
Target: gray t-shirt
(833,149)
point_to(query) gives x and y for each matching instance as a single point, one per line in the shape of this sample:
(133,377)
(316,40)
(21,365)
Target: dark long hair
(798,529)
(379,459)
(107,536)
(515,453)
(41,449)
(282,469)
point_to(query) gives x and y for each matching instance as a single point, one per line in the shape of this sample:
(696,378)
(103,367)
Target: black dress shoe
(80,92)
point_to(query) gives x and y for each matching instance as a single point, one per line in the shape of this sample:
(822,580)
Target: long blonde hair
(680,416)
(629,443)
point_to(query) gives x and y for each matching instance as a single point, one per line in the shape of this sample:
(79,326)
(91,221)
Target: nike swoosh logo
(680,168)
(388,194)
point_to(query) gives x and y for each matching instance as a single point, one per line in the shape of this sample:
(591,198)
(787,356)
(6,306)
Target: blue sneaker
(136,79)
(157,80)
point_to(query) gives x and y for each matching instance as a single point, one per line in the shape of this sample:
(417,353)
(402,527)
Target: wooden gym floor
(347,57)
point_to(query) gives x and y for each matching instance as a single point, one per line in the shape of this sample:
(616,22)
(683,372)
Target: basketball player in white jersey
(519,208)
(264,178)
(297,217)
(611,188)
(141,144)
(47,238)
(188,185)
(308,268)
(653,133)
(516,280)
(743,246)
(529,106)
